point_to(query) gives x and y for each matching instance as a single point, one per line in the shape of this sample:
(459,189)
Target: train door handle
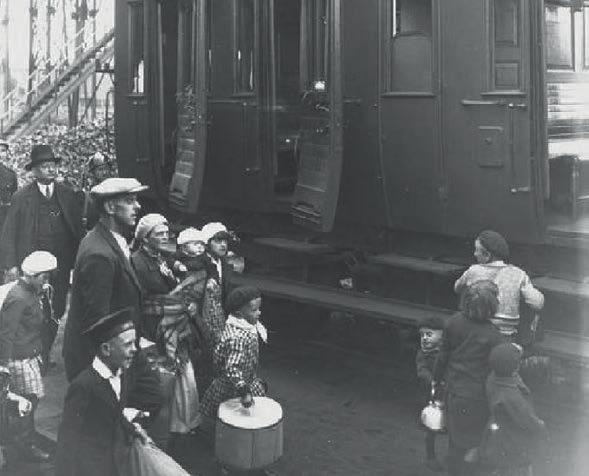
(512,105)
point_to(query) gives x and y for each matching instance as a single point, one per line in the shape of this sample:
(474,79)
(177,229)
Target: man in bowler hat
(8,182)
(44,215)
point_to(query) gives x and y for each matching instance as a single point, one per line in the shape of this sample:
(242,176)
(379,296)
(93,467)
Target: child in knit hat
(431,330)
(492,253)
(512,412)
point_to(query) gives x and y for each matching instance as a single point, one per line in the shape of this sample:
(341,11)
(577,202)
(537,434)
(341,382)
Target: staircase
(24,110)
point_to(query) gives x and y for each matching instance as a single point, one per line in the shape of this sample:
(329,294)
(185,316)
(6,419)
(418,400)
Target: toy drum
(248,438)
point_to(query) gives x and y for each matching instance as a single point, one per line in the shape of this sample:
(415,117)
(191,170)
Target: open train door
(191,134)
(321,151)
(488,117)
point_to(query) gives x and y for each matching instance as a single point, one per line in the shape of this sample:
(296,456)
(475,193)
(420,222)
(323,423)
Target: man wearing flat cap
(44,215)
(97,425)
(103,279)
(21,321)
(8,182)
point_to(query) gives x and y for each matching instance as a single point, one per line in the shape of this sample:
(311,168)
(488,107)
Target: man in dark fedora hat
(44,215)
(8,181)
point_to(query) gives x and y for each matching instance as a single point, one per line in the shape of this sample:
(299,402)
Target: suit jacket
(94,437)
(19,232)
(8,185)
(103,282)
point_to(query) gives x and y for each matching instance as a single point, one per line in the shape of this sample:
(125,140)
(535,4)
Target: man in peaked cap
(44,215)
(103,279)
(8,182)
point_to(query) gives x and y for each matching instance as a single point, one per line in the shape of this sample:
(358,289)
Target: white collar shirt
(113,379)
(217,263)
(46,190)
(123,245)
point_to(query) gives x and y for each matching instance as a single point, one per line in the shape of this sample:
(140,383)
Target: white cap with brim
(117,186)
(38,262)
(190,235)
(211,229)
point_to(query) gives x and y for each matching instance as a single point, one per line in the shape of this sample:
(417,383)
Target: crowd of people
(154,324)
(142,317)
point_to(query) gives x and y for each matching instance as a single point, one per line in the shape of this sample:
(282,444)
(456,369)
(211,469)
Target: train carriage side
(419,115)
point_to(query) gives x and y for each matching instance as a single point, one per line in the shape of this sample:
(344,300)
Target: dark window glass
(244,48)
(136,49)
(410,45)
(559,37)
(186,43)
(315,21)
(586,34)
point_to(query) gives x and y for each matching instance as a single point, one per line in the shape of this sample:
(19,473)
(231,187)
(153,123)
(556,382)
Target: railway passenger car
(426,115)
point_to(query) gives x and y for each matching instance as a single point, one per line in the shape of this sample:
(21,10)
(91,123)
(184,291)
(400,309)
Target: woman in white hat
(21,321)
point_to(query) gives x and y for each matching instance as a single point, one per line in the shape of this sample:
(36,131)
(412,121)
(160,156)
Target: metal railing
(24,101)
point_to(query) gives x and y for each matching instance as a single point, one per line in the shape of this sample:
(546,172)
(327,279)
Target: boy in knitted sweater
(492,252)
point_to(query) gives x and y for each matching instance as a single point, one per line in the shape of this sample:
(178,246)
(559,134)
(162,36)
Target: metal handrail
(16,99)
(26,101)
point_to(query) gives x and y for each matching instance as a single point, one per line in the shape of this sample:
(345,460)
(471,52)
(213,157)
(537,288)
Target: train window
(316,41)
(559,37)
(586,32)
(136,43)
(185,45)
(244,46)
(410,46)
(209,50)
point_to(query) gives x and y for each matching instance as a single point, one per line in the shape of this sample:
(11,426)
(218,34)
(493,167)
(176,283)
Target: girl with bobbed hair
(462,362)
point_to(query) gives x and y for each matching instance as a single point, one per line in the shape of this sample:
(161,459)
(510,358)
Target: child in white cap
(21,322)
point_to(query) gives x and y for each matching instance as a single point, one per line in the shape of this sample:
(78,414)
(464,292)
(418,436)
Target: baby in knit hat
(492,253)
(520,429)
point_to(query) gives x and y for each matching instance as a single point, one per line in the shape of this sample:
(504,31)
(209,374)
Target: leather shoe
(35,454)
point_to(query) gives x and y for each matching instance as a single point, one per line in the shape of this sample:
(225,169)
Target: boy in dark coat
(96,429)
(430,331)
(511,408)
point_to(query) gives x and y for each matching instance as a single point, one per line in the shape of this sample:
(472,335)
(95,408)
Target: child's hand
(247,400)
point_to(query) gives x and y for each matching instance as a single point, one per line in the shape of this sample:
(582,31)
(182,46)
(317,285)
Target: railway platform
(350,407)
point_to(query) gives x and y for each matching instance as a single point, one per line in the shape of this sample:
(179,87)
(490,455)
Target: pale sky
(19,29)
(19,35)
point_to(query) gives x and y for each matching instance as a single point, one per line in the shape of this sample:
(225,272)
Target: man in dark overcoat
(45,215)
(8,182)
(95,434)
(103,279)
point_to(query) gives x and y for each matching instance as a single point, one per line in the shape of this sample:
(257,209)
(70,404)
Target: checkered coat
(236,361)
(213,315)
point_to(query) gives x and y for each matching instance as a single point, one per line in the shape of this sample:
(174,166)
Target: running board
(369,305)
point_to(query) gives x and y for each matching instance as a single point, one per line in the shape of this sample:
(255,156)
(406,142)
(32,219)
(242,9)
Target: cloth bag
(185,402)
(149,460)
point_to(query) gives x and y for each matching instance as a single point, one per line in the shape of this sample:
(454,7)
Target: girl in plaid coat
(236,354)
